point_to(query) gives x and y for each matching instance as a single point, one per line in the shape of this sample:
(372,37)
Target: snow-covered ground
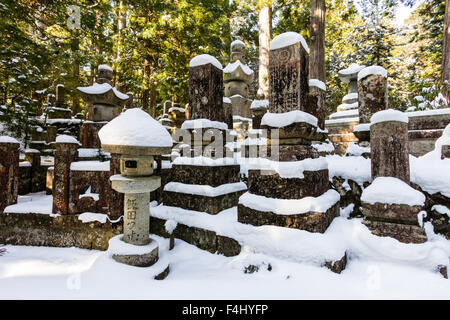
(70,273)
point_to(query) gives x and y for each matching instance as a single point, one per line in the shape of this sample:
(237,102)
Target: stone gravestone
(280,186)
(398,217)
(206,131)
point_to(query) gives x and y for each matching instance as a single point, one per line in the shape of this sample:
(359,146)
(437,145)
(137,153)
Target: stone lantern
(104,100)
(137,138)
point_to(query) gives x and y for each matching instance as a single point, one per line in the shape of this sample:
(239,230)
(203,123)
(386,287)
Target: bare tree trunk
(265,35)
(445,76)
(317,57)
(76,74)
(121,24)
(317,46)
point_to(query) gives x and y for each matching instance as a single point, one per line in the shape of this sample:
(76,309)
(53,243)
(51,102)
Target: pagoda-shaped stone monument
(237,78)
(104,103)
(291,187)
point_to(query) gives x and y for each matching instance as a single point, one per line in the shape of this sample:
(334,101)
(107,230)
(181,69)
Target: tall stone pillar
(319,92)
(384,215)
(288,74)
(66,152)
(9,171)
(60,92)
(372,97)
(206,91)
(34,157)
(389,148)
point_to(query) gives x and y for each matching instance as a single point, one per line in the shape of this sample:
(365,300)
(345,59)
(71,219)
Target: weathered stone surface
(204,239)
(9,174)
(395,213)
(212,176)
(310,221)
(257,115)
(429,122)
(349,195)
(59,113)
(138,260)
(211,205)
(372,96)
(402,232)
(288,77)
(291,152)
(65,154)
(114,198)
(337,266)
(390,150)
(206,93)
(271,185)
(440,222)
(79,182)
(32,229)
(296,130)
(319,109)
(362,136)
(89,134)
(445,152)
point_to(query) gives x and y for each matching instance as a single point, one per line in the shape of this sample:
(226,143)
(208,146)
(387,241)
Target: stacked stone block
(289,97)
(390,158)
(207,119)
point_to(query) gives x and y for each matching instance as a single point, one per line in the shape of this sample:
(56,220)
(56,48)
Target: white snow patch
(351,69)
(205,190)
(118,246)
(63,138)
(354,149)
(373,70)
(231,67)
(361,127)
(441,209)
(205,59)
(101,88)
(389,115)
(104,67)
(204,161)
(287,39)
(87,217)
(170,226)
(317,83)
(8,139)
(89,166)
(258,104)
(290,206)
(391,190)
(135,127)
(280,120)
(203,123)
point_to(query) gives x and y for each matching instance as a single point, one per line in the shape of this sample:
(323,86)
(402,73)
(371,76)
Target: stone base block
(402,232)
(270,184)
(133,255)
(211,205)
(395,213)
(310,221)
(296,130)
(33,229)
(206,175)
(291,152)
(204,239)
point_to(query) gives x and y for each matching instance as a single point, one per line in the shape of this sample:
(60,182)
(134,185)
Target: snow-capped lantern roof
(350,73)
(287,39)
(238,71)
(203,59)
(102,93)
(135,132)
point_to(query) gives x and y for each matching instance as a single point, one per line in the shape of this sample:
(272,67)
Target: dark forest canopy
(149,44)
